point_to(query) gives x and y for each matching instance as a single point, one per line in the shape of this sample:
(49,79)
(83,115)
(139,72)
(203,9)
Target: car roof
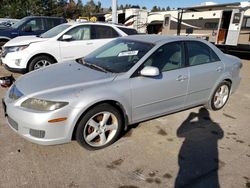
(50,17)
(154,38)
(97,23)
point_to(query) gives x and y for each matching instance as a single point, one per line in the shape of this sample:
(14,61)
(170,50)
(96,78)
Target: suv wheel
(40,62)
(99,127)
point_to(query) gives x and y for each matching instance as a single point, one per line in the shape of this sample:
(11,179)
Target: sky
(162,3)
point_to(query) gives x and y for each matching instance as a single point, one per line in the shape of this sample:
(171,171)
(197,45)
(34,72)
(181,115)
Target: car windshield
(118,55)
(55,31)
(20,22)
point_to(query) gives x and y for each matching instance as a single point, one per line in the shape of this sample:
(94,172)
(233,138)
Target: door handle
(89,43)
(219,69)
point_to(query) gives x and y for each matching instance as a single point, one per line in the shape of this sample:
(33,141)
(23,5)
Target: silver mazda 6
(129,80)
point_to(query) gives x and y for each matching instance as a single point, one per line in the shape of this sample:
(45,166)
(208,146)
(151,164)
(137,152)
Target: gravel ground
(192,148)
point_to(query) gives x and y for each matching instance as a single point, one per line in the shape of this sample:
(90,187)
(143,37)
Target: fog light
(37,133)
(17,62)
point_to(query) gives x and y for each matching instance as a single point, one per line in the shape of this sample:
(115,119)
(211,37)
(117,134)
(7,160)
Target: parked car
(7,22)
(64,42)
(129,80)
(31,25)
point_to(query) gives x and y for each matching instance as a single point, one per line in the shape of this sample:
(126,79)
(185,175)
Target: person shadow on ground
(198,157)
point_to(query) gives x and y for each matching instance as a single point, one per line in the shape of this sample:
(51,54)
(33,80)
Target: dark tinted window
(246,22)
(211,25)
(52,22)
(168,57)
(35,24)
(200,53)
(102,32)
(128,31)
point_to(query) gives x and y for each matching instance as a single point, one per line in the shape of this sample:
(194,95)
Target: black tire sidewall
(212,99)
(82,123)
(31,66)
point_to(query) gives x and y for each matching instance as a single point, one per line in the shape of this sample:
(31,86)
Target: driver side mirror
(66,37)
(150,71)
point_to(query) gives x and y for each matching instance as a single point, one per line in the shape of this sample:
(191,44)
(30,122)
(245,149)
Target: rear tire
(100,127)
(220,96)
(40,62)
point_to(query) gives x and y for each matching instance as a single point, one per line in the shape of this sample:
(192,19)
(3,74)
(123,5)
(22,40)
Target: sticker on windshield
(128,53)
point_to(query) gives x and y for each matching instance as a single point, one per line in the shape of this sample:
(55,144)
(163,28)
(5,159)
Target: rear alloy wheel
(100,127)
(220,96)
(40,62)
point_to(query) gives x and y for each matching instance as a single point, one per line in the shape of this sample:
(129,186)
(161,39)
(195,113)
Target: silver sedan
(129,80)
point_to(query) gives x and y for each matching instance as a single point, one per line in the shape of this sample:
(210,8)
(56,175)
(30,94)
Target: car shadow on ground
(198,157)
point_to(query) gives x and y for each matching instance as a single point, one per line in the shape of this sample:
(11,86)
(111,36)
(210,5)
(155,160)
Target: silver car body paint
(141,97)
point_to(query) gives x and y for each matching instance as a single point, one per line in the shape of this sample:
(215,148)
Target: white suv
(64,42)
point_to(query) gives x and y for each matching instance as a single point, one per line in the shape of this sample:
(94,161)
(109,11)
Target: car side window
(52,22)
(80,33)
(103,32)
(168,57)
(199,53)
(33,25)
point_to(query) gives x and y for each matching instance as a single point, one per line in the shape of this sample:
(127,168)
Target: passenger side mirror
(150,71)
(66,37)
(27,28)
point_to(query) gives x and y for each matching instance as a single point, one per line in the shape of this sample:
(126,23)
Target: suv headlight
(42,105)
(16,48)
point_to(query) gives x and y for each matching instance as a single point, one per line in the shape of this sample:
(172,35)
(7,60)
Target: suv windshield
(19,23)
(119,55)
(55,31)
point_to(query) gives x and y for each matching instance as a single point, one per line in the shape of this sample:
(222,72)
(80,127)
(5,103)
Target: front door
(153,96)
(234,27)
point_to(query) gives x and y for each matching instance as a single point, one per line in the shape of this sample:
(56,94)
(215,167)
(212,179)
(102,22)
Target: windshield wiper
(96,67)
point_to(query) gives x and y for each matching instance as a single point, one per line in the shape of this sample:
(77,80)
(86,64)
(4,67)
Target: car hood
(24,40)
(61,76)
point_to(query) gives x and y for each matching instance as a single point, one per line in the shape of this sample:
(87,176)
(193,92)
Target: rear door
(234,27)
(101,34)
(205,69)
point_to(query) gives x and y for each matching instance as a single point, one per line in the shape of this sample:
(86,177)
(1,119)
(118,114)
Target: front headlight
(42,105)
(16,48)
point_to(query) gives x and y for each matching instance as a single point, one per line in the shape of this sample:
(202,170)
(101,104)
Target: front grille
(12,123)
(37,133)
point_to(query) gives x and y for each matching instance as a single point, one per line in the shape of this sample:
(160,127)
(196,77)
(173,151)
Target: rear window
(128,31)
(52,22)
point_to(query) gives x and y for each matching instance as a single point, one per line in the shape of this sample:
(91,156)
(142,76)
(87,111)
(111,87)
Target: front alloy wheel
(100,127)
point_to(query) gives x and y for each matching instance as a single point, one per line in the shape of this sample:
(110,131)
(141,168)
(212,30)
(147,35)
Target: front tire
(99,127)
(220,96)
(40,62)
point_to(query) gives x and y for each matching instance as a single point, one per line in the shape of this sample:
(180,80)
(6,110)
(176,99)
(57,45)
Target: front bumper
(34,126)
(16,70)
(16,61)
